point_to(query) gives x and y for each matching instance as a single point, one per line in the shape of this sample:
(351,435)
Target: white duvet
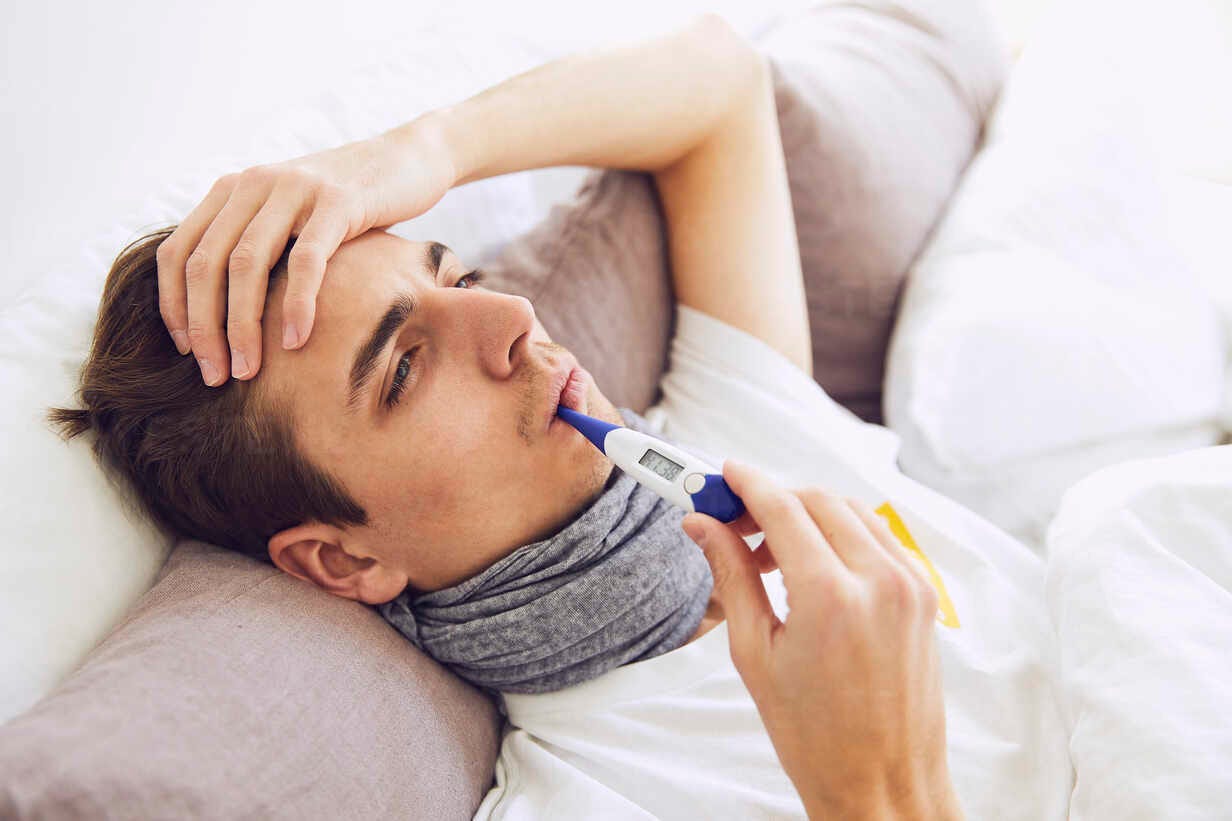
(1139,588)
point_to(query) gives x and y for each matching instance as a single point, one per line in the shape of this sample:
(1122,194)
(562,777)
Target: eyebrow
(395,316)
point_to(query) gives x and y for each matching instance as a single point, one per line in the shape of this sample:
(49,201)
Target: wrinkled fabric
(621,583)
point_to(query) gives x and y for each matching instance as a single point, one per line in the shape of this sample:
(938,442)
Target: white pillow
(1200,211)
(1051,327)
(74,560)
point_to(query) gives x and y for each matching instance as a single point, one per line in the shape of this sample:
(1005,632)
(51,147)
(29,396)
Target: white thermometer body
(679,477)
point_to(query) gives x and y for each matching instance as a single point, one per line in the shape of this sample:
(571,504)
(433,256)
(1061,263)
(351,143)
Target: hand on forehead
(360,279)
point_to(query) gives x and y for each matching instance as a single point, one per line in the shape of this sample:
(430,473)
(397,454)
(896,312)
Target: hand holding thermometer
(679,477)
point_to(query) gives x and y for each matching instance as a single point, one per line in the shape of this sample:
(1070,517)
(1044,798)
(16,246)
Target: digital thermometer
(679,477)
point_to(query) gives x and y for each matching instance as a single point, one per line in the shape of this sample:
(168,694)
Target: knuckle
(823,583)
(842,597)
(245,255)
(170,313)
(198,332)
(164,255)
(197,267)
(816,585)
(330,192)
(895,586)
(304,253)
(226,182)
(239,329)
(258,175)
(297,304)
(298,175)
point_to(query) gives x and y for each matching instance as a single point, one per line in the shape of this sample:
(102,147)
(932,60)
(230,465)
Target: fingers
(824,537)
(880,529)
(876,561)
(172,257)
(206,277)
(738,585)
(325,230)
(256,252)
(799,548)
(897,551)
(843,530)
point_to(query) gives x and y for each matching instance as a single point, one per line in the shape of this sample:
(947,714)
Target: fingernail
(695,533)
(290,336)
(239,364)
(208,371)
(181,341)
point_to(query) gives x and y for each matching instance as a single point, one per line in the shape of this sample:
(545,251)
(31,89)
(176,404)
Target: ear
(332,560)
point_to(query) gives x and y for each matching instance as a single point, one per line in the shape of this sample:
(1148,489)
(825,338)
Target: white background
(104,102)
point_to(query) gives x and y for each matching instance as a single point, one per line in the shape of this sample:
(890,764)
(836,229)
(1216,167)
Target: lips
(573,395)
(569,390)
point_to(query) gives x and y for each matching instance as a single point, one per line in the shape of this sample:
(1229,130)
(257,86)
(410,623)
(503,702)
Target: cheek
(468,442)
(446,458)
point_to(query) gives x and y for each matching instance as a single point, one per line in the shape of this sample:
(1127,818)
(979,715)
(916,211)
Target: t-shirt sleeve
(704,343)
(723,382)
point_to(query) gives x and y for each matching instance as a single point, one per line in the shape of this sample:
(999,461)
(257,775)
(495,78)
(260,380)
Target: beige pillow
(233,690)
(880,108)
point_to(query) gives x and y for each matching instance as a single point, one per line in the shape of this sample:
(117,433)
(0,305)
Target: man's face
(464,468)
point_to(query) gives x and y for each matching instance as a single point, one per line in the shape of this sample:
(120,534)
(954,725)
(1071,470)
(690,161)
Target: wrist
(427,138)
(923,802)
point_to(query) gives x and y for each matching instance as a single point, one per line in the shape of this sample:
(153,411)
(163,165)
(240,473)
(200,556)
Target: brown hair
(216,464)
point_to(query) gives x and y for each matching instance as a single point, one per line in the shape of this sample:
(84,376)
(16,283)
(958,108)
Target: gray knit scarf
(621,583)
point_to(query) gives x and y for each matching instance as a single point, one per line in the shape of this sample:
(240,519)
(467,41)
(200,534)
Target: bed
(1062,314)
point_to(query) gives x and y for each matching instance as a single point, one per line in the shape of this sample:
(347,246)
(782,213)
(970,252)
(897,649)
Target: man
(403,442)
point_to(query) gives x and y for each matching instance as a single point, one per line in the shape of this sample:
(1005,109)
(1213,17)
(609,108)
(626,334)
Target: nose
(505,327)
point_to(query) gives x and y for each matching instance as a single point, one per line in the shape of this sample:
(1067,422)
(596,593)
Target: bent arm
(639,106)
(695,108)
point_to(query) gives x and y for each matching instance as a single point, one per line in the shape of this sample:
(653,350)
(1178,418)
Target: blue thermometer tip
(593,429)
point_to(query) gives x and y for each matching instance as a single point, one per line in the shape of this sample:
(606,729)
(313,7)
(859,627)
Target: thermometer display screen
(661,465)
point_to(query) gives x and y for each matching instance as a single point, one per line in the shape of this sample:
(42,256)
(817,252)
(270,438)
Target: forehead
(361,278)
(370,257)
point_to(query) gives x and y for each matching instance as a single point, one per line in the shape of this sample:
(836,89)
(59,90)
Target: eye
(404,362)
(476,276)
(399,381)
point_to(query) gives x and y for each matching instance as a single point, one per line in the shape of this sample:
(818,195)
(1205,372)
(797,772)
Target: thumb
(737,584)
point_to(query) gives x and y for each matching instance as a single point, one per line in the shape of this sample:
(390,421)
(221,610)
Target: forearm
(637,106)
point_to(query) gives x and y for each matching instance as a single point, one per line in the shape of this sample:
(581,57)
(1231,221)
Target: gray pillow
(880,106)
(234,690)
